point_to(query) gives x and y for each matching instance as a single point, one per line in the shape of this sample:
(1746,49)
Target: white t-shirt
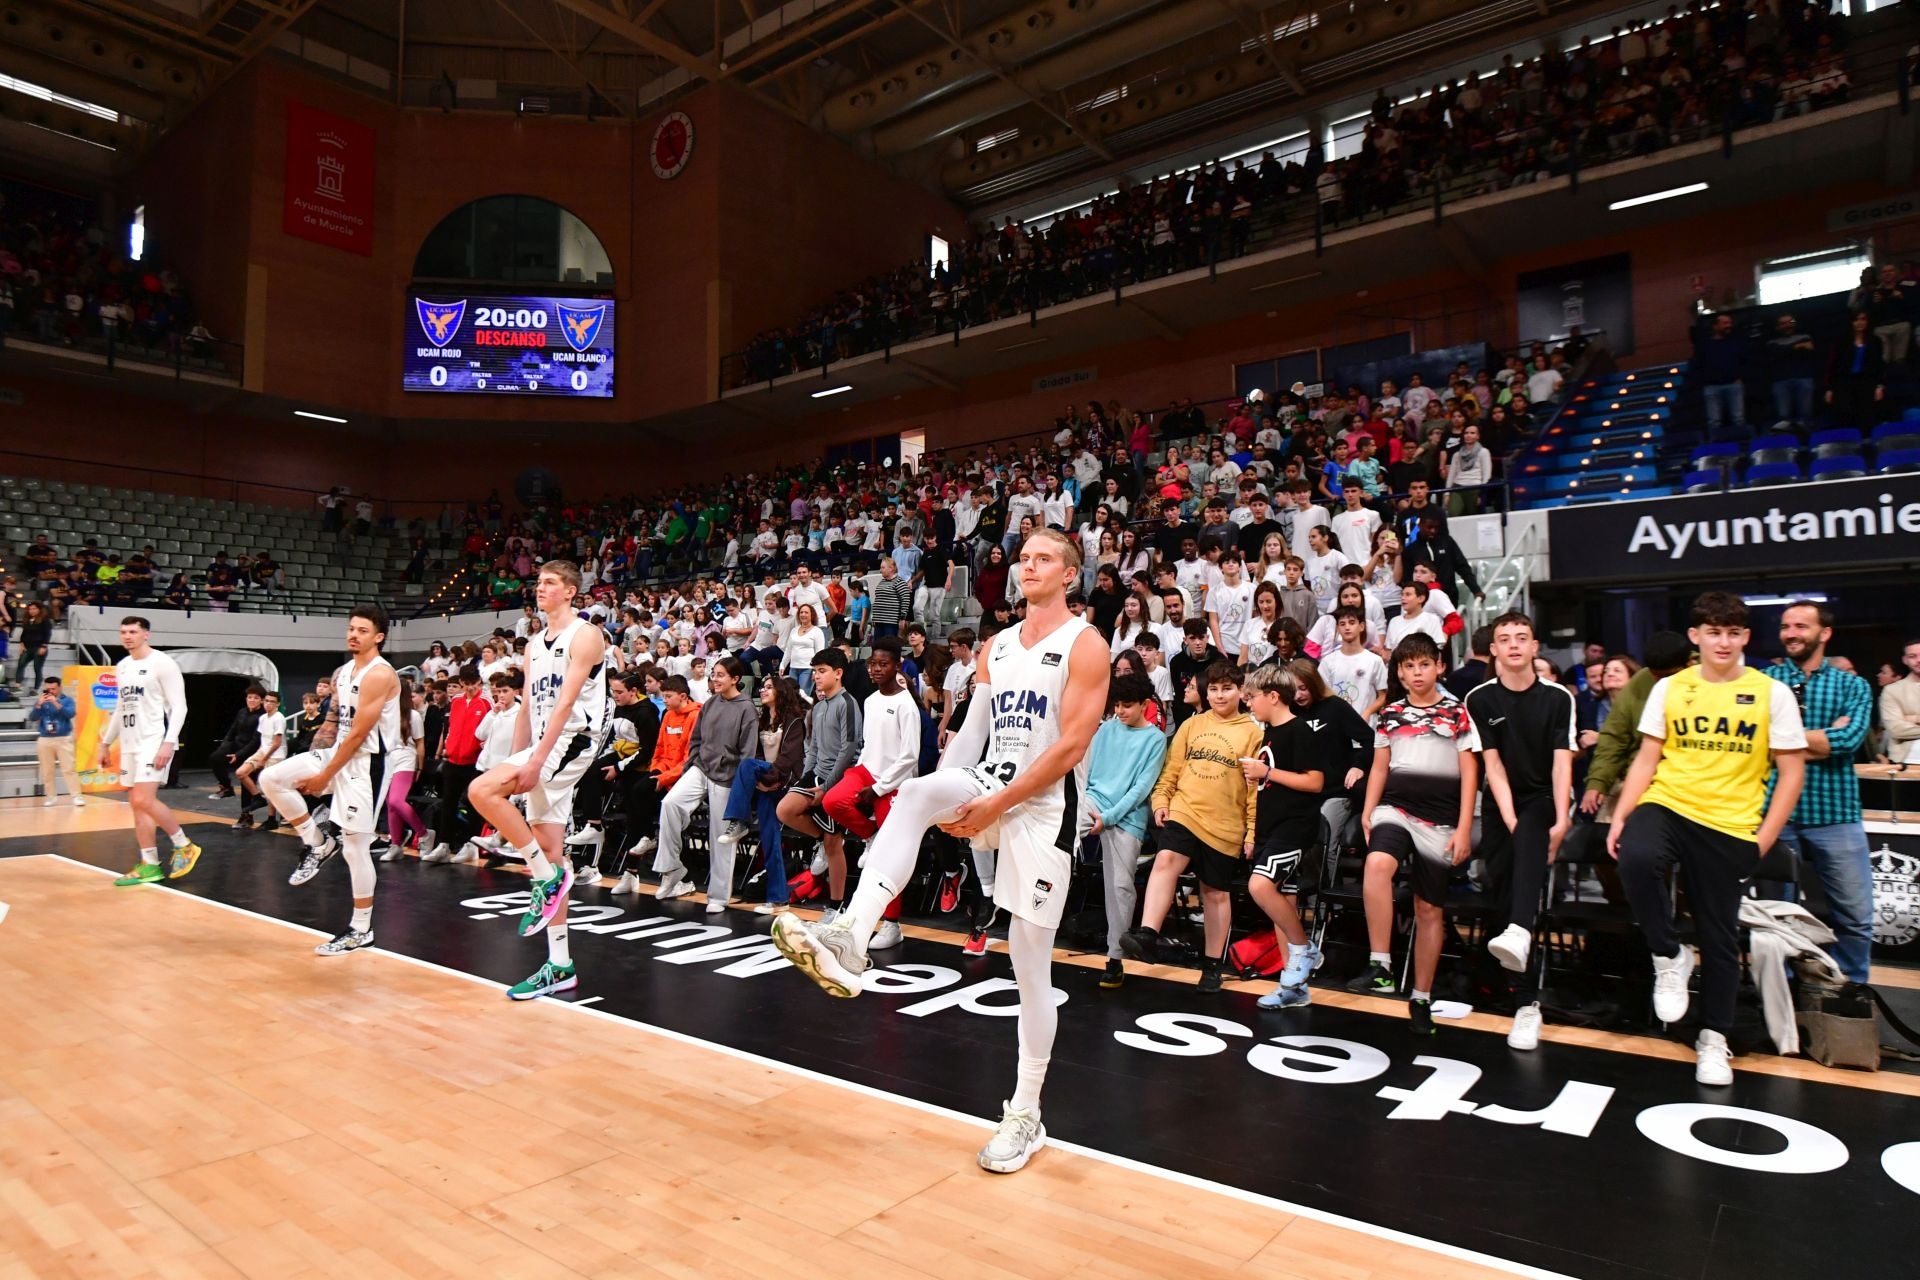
(698,690)
(1543,386)
(1324,635)
(1359,678)
(1323,578)
(1353,532)
(1301,522)
(959,676)
(1400,626)
(1231,605)
(273,725)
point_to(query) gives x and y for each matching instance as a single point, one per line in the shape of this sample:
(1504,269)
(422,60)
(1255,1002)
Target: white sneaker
(819,864)
(586,838)
(1713,1060)
(643,846)
(78,801)
(714,907)
(492,842)
(1526,1028)
(673,885)
(392,854)
(829,915)
(770,909)
(887,935)
(1670,985)
(628,883)
(828,954)
(468,854)
(439,853)
(49,802)
(1020,1135)
(586,873)
(1511,948)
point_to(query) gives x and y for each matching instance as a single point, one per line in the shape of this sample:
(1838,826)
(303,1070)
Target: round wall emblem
(672,145)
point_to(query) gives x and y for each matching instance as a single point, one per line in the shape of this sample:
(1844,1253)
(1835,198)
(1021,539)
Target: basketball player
(562,720)
(348,762)
(146,722)
(1039,691)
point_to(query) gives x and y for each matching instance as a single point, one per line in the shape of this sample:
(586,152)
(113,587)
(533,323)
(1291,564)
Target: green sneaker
(142,873)
(550,978)
(548,896)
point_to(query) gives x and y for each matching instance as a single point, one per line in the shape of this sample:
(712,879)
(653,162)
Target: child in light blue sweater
(1122,766)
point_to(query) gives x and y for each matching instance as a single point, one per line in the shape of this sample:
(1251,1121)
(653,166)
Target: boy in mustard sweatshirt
(1205,811)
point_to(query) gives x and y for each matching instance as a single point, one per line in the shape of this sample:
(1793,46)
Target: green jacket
(1619,736)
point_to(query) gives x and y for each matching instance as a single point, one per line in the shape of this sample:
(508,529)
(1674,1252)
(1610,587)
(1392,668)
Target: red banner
(329,181)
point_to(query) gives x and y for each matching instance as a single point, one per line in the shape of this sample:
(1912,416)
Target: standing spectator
(1792,363)
(53,720)
(1694,798)
(1855,376)
(1900,708)
(1470,467)
(1719,362)
(1825,830)
(891,603)
(1288,774)
(455,823)
(36,634)
(1122,766)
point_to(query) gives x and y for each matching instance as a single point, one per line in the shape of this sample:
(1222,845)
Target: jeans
(34,656)
(1728,399)
(1840,858)
(747,803)
(1793,399)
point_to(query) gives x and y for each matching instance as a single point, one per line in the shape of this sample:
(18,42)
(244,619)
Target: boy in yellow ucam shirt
(1709,736)
(1205,812)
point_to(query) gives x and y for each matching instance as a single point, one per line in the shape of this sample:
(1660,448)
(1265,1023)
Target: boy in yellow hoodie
(1205,811)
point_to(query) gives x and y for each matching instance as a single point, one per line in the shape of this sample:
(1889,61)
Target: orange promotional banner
(95,695)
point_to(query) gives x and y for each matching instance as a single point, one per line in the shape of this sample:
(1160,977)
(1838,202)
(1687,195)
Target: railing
(135,346)
(1875,63)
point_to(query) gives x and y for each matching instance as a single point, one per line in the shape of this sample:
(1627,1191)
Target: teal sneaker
(550,978)
(548,895)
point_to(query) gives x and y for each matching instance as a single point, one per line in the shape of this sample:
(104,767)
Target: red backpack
(1258,955)
(805,887)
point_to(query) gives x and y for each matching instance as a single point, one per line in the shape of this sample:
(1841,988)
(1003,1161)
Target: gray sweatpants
(1120,859)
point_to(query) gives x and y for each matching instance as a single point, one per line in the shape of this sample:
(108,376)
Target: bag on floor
(806,887)
(1838,1026)
(1258,955)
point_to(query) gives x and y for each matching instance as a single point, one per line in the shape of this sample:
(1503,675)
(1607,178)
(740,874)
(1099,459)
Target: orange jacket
(670,749)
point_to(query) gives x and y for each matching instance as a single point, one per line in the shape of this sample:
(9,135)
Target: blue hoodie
(1122,766)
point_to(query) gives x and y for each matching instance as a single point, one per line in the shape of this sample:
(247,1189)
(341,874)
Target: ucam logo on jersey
(1850,522)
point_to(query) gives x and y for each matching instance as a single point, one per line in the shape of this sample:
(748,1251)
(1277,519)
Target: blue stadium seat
(1774,448)
(1840,442)
(1841,467)
(1912,415)
(1897,435)
(1703,481)
(1716,457)
(1766,473)
(1895,461)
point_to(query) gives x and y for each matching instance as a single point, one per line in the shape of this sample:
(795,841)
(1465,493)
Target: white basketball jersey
(547,656)
(141,688)
(1026,688)
(385,735)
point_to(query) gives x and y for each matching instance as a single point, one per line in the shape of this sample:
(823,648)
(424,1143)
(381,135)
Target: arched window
(513,240)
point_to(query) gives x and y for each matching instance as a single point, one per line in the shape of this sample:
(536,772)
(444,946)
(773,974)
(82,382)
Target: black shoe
(272,823)
(245,823)
(1210,979)
(1140,944)
(1376,981)
(1420,1017)
(1115,976)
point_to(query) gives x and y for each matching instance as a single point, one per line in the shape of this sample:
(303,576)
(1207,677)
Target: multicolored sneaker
(182,861)
(142,873)
(828,954)
(547,896)
(314,859)
(548,979)
(351,940)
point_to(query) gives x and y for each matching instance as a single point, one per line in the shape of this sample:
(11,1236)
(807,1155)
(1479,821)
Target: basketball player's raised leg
(279,782)
(541,845)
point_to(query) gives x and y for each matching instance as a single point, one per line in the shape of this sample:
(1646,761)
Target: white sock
(362,919)
(537,862)
(309,832)
(1425,997)
(179,839)
(557,946)
(1380,958)
(150,856)
(1031,949)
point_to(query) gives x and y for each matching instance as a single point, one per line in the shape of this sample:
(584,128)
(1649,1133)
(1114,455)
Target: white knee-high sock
(1031,948)
(895,850)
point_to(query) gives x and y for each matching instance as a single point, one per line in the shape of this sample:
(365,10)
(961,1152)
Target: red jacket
(463,717)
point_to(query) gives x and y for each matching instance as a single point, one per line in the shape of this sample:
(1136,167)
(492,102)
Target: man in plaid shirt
(1825,830)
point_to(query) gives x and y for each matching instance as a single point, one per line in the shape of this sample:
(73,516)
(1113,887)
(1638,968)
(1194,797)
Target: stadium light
(833,391)
(318,417)
(1668,194)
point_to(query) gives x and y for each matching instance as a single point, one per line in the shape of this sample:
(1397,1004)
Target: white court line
(929,1108)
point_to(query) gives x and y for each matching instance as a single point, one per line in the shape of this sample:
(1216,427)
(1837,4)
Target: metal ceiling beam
(506,7)
(760,52)
(1252,21)
(951,35)
(879,23)
(631,30)
(148,26)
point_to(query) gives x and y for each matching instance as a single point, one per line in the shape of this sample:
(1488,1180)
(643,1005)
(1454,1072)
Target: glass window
(513,240)
(1810,275)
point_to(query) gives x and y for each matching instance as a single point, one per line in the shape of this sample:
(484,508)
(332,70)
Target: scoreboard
(512,346)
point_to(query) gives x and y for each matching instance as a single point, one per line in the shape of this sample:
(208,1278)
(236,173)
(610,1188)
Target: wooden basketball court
(188,1091)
